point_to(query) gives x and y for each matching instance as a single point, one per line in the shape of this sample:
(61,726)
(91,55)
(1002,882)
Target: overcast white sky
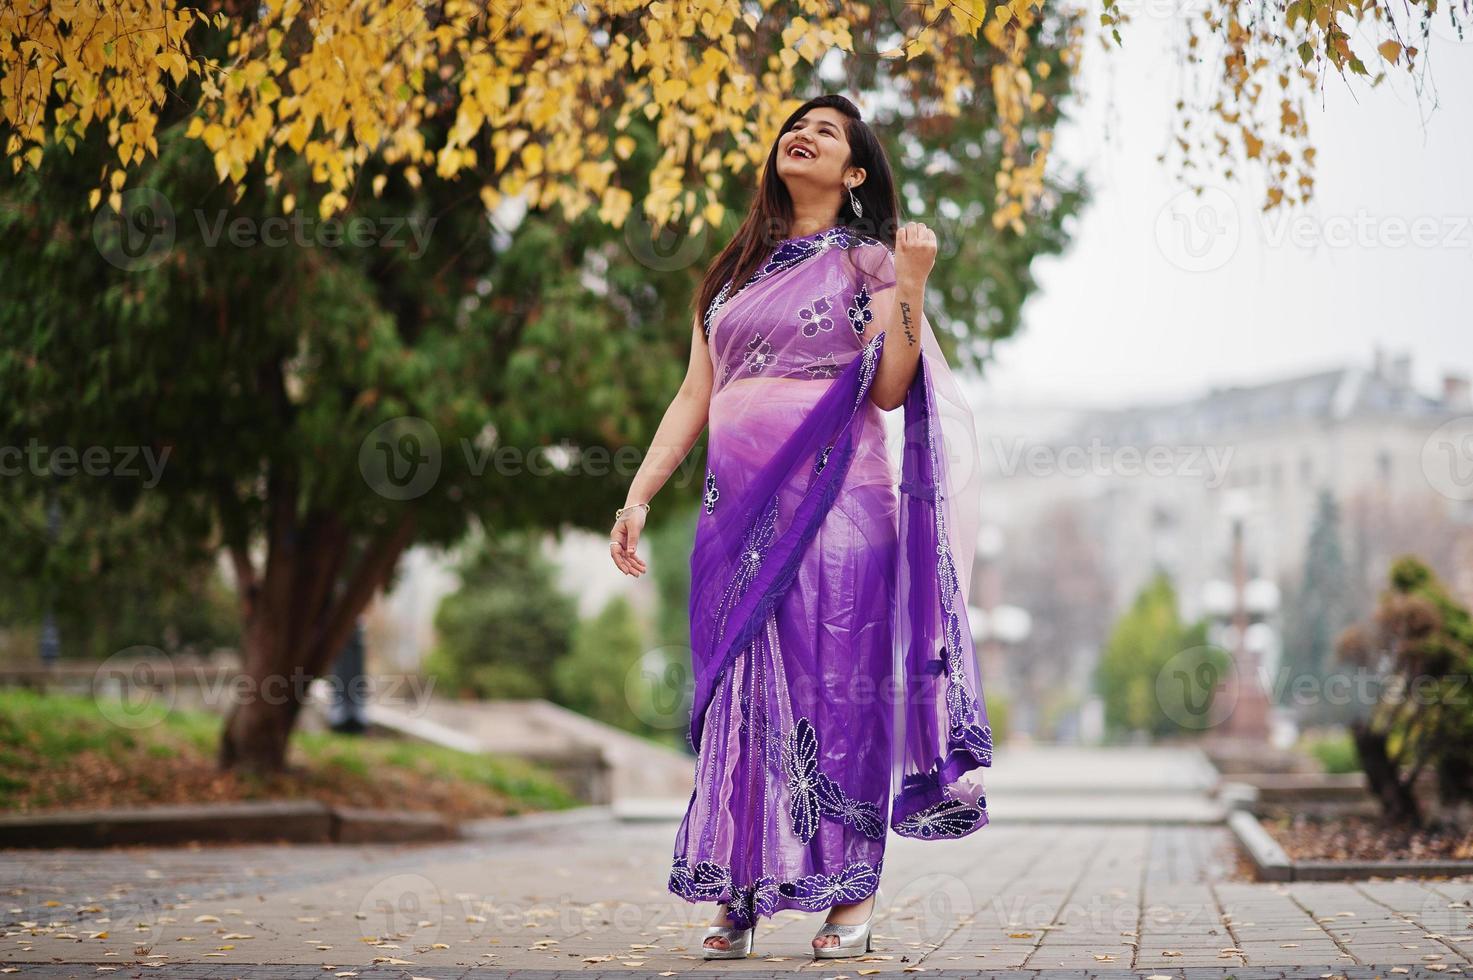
(1118,319)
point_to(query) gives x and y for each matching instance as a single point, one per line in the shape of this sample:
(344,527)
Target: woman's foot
(719,942)
(845,915)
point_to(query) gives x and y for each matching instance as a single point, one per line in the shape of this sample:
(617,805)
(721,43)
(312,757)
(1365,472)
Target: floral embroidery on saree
(712,493)
(785,256)
(759,354)
(869,360)
(819,891)
(860,314)
(949,818)
(815,316)
(811,793)
(754,546)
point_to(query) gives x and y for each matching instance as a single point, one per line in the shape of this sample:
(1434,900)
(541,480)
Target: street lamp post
(1249,717)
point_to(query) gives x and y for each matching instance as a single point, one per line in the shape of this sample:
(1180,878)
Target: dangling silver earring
(854,204)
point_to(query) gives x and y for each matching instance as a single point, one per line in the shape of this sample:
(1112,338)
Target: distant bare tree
(1059,578)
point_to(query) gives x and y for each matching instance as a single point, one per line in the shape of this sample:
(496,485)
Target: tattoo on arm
(906,321)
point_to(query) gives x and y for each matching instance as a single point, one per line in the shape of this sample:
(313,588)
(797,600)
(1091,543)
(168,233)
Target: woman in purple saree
(837,695)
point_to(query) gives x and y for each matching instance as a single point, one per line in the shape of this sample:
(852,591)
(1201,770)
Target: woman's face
(815,151)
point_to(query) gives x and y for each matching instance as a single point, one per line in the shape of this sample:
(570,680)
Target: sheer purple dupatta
(941,725)
(748,556)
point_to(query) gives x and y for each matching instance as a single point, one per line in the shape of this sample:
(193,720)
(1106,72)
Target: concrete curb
(274,821)
(497,828)
(358,825)
(1274,864)
(1269,859)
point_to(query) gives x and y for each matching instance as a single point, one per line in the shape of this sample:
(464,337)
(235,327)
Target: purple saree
(837,693)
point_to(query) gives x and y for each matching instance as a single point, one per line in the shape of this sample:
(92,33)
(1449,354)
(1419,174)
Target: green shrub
(1335,752)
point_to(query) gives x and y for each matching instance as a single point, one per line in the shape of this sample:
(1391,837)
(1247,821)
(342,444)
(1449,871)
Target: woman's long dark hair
(771,216)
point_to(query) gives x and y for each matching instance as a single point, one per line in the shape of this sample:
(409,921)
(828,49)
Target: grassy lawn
(61,751)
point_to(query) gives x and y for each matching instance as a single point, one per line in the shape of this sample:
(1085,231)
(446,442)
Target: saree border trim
(711,881)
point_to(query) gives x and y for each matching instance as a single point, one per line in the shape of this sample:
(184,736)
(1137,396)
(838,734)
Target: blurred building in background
(1094,501)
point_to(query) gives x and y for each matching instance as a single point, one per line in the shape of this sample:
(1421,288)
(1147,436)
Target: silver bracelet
(619,514)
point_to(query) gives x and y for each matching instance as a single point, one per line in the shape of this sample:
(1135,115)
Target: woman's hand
(915,253)
(624,538)
(899,315)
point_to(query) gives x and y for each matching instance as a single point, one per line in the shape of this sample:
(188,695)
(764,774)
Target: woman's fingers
(624,540)
(616,548)
(631,543)
(632,561)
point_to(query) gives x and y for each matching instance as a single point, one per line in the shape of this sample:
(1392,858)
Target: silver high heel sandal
(853,939)
(739,942)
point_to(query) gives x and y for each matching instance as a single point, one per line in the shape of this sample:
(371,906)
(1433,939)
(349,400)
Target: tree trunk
(1397,801)
(258,726)
(297,617)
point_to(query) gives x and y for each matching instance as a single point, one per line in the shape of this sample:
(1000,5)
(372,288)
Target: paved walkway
(1048,899)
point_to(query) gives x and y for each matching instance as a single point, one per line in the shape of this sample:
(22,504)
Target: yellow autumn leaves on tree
(535,97)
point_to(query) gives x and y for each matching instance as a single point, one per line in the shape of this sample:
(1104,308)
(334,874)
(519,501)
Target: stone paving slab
(589,899)
(247,971)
